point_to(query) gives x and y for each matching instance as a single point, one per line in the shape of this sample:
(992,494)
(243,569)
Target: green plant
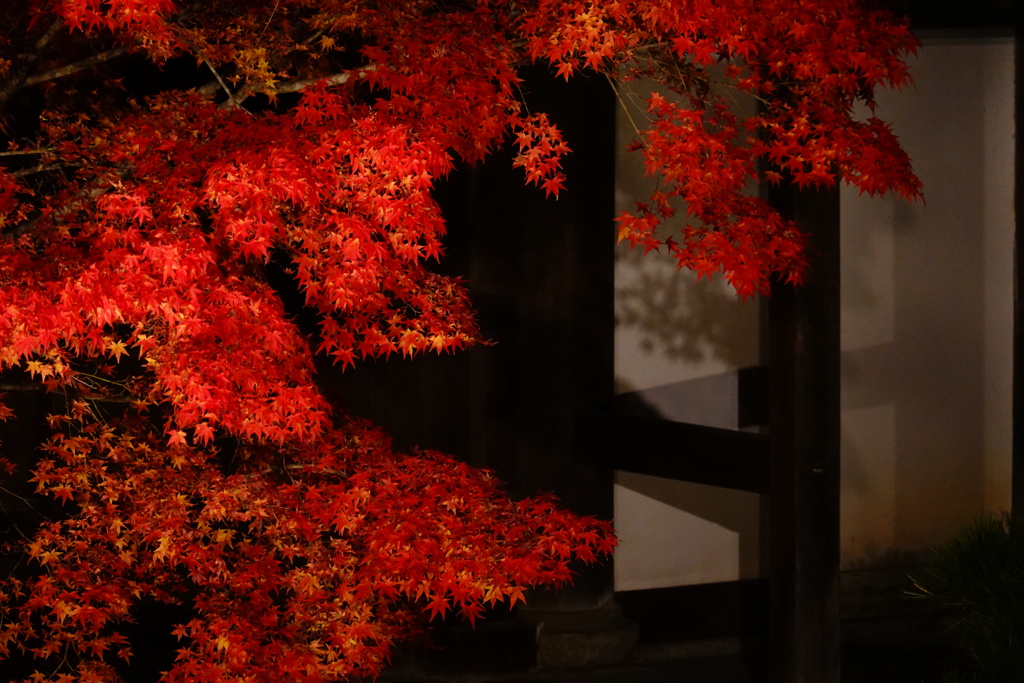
(978,577)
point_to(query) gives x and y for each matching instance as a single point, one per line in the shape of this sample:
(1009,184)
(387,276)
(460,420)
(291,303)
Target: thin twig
(28,504)
(269,19)
(15,527)
(622,103)
(216,74)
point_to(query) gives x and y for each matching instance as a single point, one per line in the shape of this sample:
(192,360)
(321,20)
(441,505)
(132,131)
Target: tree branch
(335,79)
(68,69)
(315,469)
(85,194)
(85,396)
(16,80)
(40,168)
(34,386)
(23,153)
(45,39)
(287,86)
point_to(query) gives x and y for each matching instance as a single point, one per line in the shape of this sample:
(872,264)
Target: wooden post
(804,447)
(541,273)
(1017,500)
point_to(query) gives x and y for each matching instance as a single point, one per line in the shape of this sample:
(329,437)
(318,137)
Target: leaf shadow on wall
(677,318)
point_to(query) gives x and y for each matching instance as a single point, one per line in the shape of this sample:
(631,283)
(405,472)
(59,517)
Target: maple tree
(161,153)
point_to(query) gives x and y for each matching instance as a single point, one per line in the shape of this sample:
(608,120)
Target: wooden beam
(804,475)
(960,16)
(674,450)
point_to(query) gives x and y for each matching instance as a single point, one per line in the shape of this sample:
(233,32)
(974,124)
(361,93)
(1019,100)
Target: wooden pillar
(804,447)
(540,272)
(565,359)
(1018,293)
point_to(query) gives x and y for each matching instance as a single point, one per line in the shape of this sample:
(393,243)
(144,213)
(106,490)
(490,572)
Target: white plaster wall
(927,332)
(675,533)
(927,313)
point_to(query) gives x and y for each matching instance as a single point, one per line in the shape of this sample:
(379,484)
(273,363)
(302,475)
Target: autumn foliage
(161,154)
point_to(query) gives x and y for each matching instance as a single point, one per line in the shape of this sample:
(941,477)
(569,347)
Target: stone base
(582,638)
(492,650)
